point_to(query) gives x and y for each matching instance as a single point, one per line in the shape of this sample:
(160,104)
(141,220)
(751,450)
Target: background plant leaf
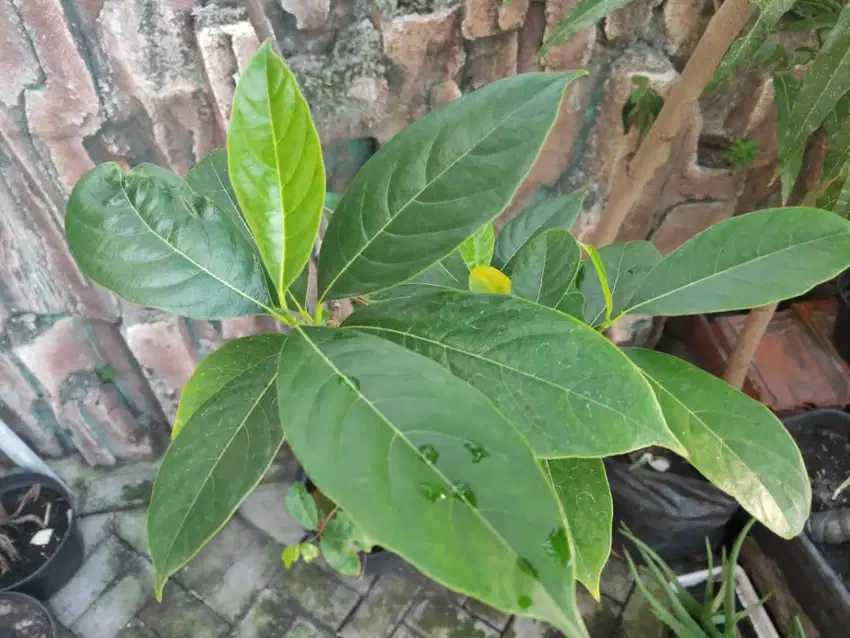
(450,273)
(546,267)
(747,261)
(151,239)
(627,264)
(558,212)
(584,14)
(436,183)
(276,168)
(553,377)
(733,440)
(582,488)
(824,84)
(363,411)
(221,455)
(478,249)
(785,87)
(302,507)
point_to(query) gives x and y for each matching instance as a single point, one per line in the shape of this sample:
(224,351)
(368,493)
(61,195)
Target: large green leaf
(558,212)
(478,249)
(743,51)
(276,168)
(210,178)
(553,377)
(733,440)
(747,261)
(582,487)
(418,460)
(151,239)
(626,265)
(436,183)
(450,273)
(825,83)
(222,453)
(785,87)
(232,360)
(584,14)
(546,267)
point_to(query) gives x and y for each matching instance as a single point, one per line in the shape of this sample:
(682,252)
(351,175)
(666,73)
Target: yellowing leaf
(488,280)
(309,552)
(290,555)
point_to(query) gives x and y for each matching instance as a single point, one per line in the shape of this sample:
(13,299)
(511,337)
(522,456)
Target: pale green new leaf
(221,455)
(824,84)
(290,555)
(553,377)
(275,161)
(584,14)
(733,440)
(785,87)
(626,265)
(418,460)
(151,239)
(478,249)
(546,268)
(747,261)
(558,212)
(743,51)
(232,360)
(582,487)
(436,183)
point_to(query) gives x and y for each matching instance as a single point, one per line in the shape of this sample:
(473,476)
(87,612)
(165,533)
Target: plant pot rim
(33,602)
(745,592)
(19,480)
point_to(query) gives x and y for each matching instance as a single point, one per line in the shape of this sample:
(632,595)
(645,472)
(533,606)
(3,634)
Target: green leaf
(210,178)
(733,440)
(152,240)
(745,49)
(785,87)
(338,554)
(747,261)
(302,506)
(309,552)
(584,14)
(221,455)
(451,273)
(546,268)
(486,280)
(290,555)
(583,490)
(478,249)
(825,83)
(626,265)
(553,377)
(361,411)
(558,212)
(234,359)
(436,183)
(276,167)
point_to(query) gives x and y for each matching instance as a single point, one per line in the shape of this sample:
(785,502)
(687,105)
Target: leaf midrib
(281,292)
(724,271)
(177,251)
(427,185)
(436,470)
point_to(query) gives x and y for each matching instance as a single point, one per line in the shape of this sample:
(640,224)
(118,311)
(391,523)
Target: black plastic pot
(378,558)
(672,512)
(841,332)
(811,579)
(67,558)
(37,621)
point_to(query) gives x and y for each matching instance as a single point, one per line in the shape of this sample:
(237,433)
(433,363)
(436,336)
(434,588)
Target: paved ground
(238,588)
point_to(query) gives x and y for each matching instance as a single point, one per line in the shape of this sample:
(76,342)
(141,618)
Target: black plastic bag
(671,512)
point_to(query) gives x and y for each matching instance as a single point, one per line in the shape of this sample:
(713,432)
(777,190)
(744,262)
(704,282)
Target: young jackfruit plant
(460,417)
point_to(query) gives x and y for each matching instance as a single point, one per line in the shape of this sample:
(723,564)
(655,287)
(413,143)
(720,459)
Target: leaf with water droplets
(430,453)
(465,524)
(477,451)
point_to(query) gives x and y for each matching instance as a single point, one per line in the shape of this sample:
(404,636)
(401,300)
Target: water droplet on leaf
(432,491)
(525,566)
(464,493)
(477,451)
(524,601)
(348,382)
(430,453)
(558,546)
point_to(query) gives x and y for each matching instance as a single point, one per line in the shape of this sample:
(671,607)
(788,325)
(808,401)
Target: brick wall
(84,375)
